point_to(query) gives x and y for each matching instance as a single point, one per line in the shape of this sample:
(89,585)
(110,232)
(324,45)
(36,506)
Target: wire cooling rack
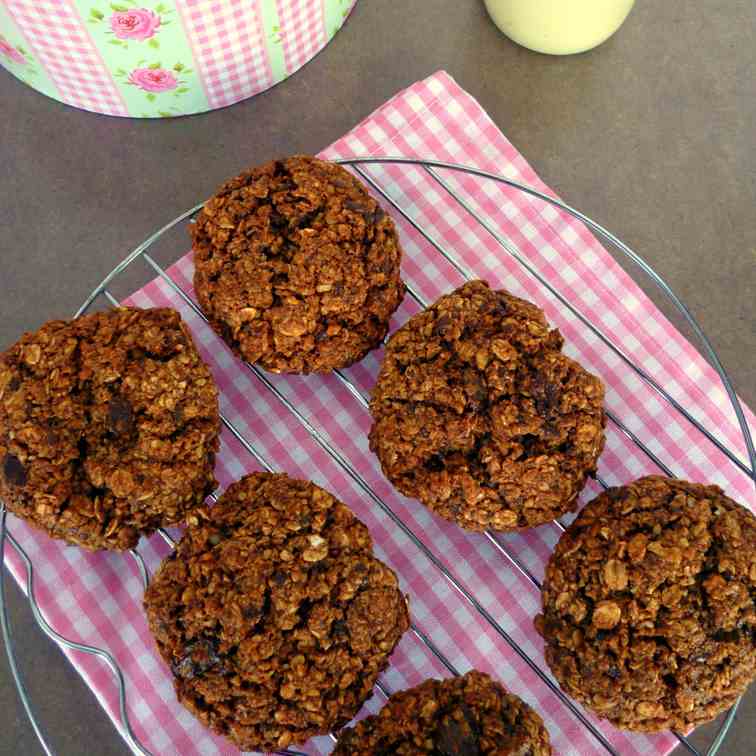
(436,170)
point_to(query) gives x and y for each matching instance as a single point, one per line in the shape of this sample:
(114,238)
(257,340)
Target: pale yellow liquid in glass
(559,27)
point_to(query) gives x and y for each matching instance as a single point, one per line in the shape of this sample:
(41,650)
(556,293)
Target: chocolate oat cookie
(479,415)
(274,615)
(649,604)
(108,426)
(470,715)
(297,266)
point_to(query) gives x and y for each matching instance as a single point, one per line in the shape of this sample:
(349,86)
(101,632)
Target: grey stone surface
(652,134)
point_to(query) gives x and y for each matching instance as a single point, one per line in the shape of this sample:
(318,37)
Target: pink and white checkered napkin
(96,598)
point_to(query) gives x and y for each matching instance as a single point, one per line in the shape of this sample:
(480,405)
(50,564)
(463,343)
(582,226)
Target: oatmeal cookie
(479,415)
(470,715)
(108,426)
(648,604)
(274,615)
(297,266)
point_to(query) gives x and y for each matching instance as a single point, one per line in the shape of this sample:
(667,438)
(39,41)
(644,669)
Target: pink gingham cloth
(96,598)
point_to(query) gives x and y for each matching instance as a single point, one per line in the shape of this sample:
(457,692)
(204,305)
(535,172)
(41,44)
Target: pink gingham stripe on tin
(63,46)
(303,30)
(228,47)
(96,598)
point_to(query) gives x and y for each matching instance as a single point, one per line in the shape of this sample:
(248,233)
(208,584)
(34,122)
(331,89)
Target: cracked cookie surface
(108,426)
(297,267)
(649,604)
(274,615)
(471,715)
(478,414)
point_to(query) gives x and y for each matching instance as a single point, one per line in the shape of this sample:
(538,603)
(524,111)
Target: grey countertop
(653,134)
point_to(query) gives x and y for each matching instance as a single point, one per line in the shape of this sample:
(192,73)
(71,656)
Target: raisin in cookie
(478,414)
(274,615)
(649,611)
(108,426)
(471,714)
(297,266)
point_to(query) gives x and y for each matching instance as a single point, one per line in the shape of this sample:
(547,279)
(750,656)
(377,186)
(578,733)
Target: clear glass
(559,27)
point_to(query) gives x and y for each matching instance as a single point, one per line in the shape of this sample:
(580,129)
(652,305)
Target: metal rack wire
(433,169)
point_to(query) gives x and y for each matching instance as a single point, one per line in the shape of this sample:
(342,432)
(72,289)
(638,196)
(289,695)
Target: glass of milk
(559,27)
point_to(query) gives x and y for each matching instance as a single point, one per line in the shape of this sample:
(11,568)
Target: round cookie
(274,615)
(108,427)
(471,714)
(478,414)
(297,267)
(649,612)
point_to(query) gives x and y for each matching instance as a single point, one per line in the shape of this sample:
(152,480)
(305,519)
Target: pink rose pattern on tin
(11,52)
(153,79)
(232,48)
(138,24)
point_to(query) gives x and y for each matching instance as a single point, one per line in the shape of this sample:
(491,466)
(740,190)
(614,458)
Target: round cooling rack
(439,173)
